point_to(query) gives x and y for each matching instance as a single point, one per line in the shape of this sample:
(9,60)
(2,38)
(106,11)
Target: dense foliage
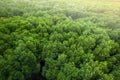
(59,40)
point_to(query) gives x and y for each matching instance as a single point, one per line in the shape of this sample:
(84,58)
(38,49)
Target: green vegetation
(59,40)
